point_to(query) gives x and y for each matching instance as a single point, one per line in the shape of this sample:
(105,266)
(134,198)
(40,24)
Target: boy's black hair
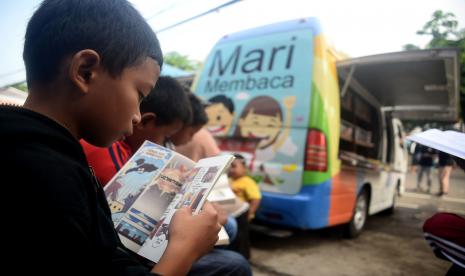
(239,157)
(60,28)
(227,102)
(199,116)
(169,101)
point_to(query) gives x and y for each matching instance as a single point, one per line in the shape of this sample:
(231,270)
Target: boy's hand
(190,238)
(250,217)
(236,191)
(195,235)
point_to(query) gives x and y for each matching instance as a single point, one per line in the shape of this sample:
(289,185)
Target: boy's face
(237,169)
(165,132)
(148,129)
(113,102)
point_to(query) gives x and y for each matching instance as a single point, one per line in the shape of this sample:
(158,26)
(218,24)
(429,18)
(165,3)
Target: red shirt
(106,162)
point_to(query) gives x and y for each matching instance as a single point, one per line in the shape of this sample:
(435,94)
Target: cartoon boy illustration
(220,115)
(262,118)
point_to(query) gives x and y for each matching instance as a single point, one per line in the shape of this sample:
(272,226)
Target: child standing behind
(247,190)
(244,186)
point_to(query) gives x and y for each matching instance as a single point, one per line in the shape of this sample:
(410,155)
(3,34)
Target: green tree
(409,47)
(181,61)
(20,85)
(443,29)
(444,32)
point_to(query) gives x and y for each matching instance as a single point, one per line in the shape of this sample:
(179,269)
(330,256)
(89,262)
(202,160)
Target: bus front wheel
(359,216)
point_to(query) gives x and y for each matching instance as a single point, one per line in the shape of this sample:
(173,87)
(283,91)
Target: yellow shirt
(246,188)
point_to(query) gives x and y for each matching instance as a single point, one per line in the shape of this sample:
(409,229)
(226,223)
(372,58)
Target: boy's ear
(147,118)
(83,68)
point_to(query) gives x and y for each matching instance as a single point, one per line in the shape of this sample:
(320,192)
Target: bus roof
(296,24)
(413,85)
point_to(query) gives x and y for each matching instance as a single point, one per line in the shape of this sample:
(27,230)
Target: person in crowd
(187,132)
(247,190)
(195,142)
(445,232)
(445,165)
(244,186)
(425,163)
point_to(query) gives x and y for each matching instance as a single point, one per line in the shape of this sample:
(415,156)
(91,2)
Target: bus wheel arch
(360,213)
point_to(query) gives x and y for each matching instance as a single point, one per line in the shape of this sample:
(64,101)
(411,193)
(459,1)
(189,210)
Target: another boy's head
(238,167)
(164,112)
(199,119)
(95,60)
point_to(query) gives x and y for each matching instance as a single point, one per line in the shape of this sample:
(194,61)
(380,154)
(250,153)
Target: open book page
(222,192)
(451,142)
(223,237)
(141,191)
(197,185)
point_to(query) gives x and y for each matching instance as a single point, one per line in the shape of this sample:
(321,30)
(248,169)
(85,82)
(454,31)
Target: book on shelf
(156,181)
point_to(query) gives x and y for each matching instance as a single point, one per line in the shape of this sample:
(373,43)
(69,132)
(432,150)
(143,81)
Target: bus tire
(359,216)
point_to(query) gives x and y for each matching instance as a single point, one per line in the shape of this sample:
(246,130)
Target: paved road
(390,245)
(454,202)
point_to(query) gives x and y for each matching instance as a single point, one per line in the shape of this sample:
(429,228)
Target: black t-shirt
(56,220)
(426,156)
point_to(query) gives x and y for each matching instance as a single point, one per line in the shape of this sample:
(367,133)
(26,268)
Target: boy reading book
(88,65)
(162,112)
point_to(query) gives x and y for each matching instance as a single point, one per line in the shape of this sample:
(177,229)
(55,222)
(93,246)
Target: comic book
(145,193)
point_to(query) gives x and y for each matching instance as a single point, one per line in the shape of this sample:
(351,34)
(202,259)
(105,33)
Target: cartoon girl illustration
(262,118)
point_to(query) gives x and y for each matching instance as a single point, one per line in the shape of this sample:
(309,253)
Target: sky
(357,27)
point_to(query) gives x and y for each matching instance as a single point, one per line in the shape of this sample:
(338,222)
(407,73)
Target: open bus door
(410,85)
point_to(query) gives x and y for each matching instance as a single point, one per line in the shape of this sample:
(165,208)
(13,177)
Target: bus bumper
(308,209)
